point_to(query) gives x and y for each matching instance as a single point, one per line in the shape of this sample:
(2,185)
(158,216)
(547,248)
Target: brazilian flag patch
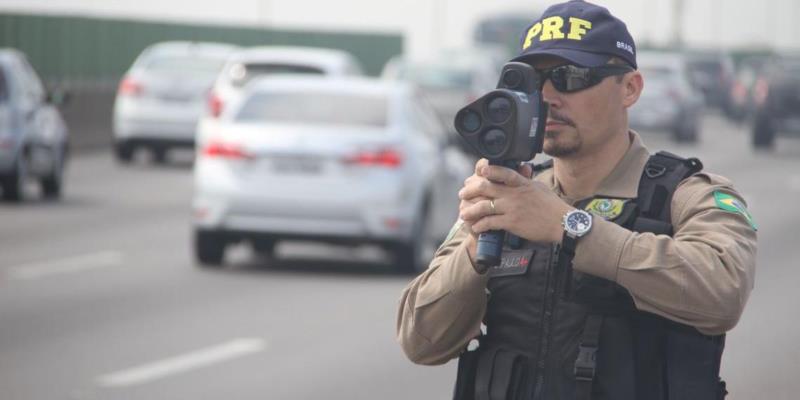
(729,203)
(608,209)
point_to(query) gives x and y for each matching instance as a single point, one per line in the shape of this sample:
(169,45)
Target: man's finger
(504,175)
(488,223)
(479,165)
(479,210)
(479,189)
(526,169)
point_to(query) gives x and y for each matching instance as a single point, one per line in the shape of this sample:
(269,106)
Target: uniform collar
(623,181)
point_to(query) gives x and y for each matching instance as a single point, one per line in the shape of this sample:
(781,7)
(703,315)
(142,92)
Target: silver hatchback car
(33,135)
(348,161)
(163,95)
(668,101)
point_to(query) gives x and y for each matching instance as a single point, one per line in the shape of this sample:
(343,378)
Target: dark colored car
(777,98)
(746,84)
(33,135)
(712,73)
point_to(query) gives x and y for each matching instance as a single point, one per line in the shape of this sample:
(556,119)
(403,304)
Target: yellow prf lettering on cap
(551,28)
(532,34)
(578,27)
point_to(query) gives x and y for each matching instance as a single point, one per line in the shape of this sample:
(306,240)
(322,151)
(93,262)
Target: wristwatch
(576,223)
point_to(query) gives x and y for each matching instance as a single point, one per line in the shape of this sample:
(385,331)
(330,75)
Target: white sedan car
(254,62)
(348,161)
(163,95)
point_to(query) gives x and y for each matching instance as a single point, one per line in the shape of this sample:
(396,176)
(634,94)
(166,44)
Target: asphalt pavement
(100,297)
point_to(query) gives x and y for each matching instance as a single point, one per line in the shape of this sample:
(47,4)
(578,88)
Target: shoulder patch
(732,204)
(608,209)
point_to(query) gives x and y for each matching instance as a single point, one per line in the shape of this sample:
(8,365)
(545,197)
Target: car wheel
(685,133)
(264,247)
(52,183)
(763,132)
(159,155)
(209,248)
(123,152)
(413,257)
(14,183)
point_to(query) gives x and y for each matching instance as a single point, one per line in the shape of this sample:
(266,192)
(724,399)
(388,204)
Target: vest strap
(586,363)
(662,174)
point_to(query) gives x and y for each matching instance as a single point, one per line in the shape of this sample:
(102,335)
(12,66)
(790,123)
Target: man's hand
(523,207)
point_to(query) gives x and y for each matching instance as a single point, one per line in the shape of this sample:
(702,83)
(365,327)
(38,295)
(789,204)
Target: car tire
(685,133)
(209,248)
(14,183)
(159,155)
(763,132)
(53,182)
(263,247)
(413,257)
(123,152)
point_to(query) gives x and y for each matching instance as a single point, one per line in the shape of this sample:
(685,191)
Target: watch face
(578,222)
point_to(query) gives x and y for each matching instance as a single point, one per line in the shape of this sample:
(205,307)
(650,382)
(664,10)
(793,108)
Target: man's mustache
(558,117)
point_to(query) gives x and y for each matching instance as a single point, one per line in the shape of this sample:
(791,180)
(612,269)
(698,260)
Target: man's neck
(581,175)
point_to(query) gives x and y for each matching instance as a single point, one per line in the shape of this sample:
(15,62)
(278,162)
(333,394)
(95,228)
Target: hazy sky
(432,24)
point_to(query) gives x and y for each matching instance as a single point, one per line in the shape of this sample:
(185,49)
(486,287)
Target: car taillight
(226,150)
(215,105)
(381,158)
(6,143)
(739,92)
(130,87)
(760,91)
(674,94)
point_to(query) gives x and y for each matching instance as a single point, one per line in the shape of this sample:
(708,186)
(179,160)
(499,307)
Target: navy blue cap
(582,33)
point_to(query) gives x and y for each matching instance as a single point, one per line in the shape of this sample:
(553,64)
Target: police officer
(631,266)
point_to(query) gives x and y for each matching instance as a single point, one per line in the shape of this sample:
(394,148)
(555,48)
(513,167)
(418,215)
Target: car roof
(345,85)
(168,47)
(293,54)
(7,53)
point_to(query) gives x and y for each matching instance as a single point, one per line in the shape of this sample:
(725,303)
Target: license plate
(297,165)
(175,97)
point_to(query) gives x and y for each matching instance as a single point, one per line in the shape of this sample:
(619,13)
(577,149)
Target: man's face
(578,122)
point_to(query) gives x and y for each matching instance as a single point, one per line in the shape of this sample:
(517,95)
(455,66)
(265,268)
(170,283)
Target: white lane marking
(174,365)
(41,269)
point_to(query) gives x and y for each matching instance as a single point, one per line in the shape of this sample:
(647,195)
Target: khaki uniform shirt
(701,276)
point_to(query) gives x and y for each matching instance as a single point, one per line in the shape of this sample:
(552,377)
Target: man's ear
(632,86)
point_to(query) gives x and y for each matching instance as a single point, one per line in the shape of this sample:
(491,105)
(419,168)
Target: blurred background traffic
(225,200)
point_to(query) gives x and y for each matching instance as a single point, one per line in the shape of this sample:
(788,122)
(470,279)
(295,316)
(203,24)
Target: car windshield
(791,67)
(656,73)
(708,66)
(240,74)
(185,65)
(314,108)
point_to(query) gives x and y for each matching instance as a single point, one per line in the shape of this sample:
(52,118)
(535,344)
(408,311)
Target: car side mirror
(58,97)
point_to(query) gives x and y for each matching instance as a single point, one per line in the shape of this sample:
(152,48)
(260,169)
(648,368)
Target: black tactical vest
(552,333)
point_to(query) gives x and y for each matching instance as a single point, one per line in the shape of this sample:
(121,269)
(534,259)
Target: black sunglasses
(571,78)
